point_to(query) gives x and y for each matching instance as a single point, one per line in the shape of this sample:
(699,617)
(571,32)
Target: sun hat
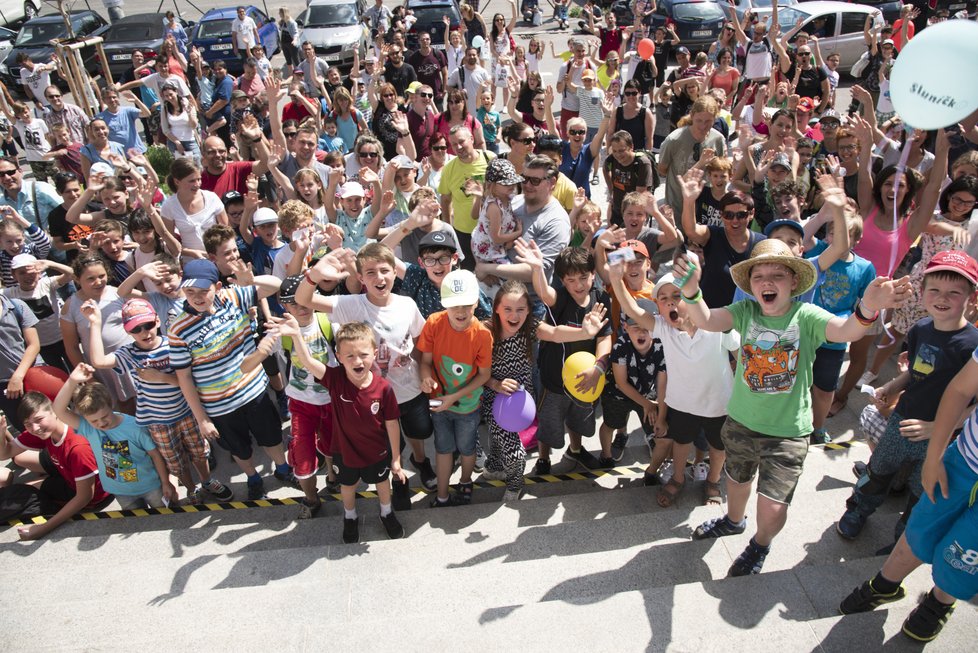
(501,171)
(775,251)
(22,261)
(351,189)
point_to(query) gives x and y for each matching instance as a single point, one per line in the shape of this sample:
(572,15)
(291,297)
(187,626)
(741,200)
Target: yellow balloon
(575,364)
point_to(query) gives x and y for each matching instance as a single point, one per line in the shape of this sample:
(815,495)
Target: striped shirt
(156,403)
(214,346)
(36,242)
(968,439)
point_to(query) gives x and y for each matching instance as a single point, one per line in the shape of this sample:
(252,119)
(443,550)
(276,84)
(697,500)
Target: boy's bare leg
(737,496)
(349,495)
(417,449)
(680,452)
(858,354)
(663,447)
(771,516)
(202,468)
(717,458)
(276,453)
(443,469)
(468,464)
(384,492)
(576,441)
(308,486)
(821,403)
(901,562)
(543,451)
(247,466)
(605,436)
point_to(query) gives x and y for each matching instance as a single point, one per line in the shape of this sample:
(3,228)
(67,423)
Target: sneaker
(512,495)
(256,491)
(820,436)
(750,560)
(718,527)
(606,463)
(480,460)
(700,471)
(308,512)
(283,406)
(583,457)
(859,469)
(618,446)
(453,500)
(542,468)
(864,598)
(287,478)
(927,619)
(351,530)
(851,524)
(218,490)
(493,475)
(400,495)
(594,179)
(429,480)
(393,527)
(866,379)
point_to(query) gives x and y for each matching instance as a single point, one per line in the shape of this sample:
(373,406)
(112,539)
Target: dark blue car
(212,35)
(697,22)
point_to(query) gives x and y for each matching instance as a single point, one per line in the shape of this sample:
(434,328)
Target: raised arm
(932,191)
(692,185)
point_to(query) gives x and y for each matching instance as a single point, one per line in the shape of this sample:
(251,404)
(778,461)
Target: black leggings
(291,54)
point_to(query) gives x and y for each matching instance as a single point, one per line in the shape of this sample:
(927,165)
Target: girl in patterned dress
(497,227)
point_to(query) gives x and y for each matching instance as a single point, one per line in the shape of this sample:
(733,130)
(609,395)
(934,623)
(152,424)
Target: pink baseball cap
(135,312)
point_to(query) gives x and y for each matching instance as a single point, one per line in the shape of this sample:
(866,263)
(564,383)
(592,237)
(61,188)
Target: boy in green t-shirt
(770,411)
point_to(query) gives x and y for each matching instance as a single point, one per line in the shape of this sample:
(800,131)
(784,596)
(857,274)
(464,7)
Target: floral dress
(482,246)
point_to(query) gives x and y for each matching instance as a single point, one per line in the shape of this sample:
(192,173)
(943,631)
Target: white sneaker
(492,475)
(510,495)
(700,471)
(866,379)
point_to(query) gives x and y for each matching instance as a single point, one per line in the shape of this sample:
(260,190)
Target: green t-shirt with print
(771,393)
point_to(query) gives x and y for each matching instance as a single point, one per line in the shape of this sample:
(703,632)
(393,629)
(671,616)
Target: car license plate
(121,57)
(699,33)
(221,46)
(332,57)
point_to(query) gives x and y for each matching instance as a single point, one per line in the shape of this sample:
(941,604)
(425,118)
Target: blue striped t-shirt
(156,403)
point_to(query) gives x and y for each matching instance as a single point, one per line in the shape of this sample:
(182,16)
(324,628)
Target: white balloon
(934,81)
(477,42)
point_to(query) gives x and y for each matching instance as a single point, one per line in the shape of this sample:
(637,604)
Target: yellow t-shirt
(564,191)
(453,177)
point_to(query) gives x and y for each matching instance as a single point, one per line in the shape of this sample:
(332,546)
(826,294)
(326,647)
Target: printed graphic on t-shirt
(770,358)
(926,359)
(391,355)
(836,287)
(455,375)
(118,461)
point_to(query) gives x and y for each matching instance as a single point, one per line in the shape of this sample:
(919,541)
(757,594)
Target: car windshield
(788,18)
(134,32)
(214,29)
(39,33)
(766,4)
(331,15)
(698,11)
(428,15)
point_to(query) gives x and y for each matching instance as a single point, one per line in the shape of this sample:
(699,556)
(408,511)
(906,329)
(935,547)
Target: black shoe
(718,527)
(859,469)
(750,561)
(542,468)
(429,480)
(583,457)
(618,446)
(453,500)
(256,491)
(400,495)
(287,478)
(393,527)
(351,530)
(606,463)
(649,479)
(864,598)
(927,619)
(332,487)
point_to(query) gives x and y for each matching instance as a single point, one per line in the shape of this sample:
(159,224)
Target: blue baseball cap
(200,274)
(777,224)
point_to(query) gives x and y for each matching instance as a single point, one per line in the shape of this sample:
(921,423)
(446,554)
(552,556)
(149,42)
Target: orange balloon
(646,48)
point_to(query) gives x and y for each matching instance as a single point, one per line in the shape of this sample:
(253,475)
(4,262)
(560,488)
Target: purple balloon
(515,412)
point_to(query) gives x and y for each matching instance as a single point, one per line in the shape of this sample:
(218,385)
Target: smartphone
(621,256)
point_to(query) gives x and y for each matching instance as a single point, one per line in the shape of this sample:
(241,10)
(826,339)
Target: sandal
(465,492)
(669,493)
(837,406)
(711,494)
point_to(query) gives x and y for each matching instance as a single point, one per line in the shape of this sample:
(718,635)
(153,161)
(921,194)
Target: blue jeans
(456,431)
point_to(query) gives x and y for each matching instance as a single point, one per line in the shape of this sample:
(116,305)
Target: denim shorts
(456,432)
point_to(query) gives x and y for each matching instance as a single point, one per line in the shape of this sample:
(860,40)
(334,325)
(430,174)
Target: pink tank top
(877,245)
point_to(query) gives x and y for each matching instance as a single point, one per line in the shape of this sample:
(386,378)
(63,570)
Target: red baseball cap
(638,246)
(806,104)
(953,261)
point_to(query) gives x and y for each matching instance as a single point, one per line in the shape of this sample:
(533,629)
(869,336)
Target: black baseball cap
(437,240)
(231,196)
(288,289)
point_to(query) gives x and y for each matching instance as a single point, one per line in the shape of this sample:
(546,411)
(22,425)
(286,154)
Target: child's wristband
(862,319)
(695,299)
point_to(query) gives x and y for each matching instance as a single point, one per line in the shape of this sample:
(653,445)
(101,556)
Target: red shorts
(312,430)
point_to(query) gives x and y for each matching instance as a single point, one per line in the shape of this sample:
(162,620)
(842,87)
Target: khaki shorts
(776,461)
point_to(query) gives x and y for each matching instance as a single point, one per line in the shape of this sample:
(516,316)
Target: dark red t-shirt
(359,416)
(296,111)
(234,177)
(73,456)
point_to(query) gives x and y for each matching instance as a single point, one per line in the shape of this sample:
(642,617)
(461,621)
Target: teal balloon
(934,81)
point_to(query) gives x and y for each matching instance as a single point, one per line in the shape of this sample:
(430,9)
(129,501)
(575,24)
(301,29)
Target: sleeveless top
(634,126)
(877,246)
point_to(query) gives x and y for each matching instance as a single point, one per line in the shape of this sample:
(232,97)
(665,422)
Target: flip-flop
(669,493)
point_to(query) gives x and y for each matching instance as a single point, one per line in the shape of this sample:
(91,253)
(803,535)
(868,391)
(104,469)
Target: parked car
(7,38)
(889,8)
(335,29)
(143,32)
(697,22)
(430,18)
(212,35)
(35,38)
(12,11)
(759,7)
(841,23)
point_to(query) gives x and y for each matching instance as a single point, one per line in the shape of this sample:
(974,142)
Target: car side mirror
(300,22)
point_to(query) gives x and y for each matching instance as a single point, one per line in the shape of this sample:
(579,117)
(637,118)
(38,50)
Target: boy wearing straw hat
(770,411)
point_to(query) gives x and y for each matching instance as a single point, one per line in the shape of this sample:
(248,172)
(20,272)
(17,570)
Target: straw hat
(775,251)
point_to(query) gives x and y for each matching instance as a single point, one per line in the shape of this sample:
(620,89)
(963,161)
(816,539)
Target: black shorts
(826,368)
(616,410)
(416,418)
(377,473)
(685,427)
(259,418)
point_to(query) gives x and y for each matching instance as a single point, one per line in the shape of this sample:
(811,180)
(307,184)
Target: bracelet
(308,277)
(695,299)
(862,319)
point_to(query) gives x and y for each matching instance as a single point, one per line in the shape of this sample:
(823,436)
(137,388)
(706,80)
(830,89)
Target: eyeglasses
(631,93)
(51,97)
(735,215)
(576,132)
(290,134)
(439,148)
(9,173)
(526,141)
(427,95)
(534,181)
(143,327)
(960,202)
(369,155)
(432,262)
(848,148)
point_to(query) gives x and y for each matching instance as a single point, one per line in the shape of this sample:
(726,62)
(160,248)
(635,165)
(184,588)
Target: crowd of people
(379,257)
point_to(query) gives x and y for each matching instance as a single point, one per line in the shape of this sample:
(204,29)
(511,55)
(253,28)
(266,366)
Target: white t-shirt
(282,260)
(34,137)
(700,378)
(396,326)
(472,82)
(192,227)
(302,386)
(46,305)
(244,32)
(38,79)
(155,82)
(757,64)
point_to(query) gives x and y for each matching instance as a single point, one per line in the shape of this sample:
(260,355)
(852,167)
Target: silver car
(335,30)
(839,26)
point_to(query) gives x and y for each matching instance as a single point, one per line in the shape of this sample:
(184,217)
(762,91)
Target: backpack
(324,327)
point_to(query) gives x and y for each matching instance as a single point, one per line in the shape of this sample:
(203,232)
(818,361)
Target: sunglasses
(369,155)
(387,95)
(804,53)
(534,181)
(576,132)
(146,326)
(290,134)
(735,215)
(439,148)
(527,141)
(427,95)
(631,93)
(9,173)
